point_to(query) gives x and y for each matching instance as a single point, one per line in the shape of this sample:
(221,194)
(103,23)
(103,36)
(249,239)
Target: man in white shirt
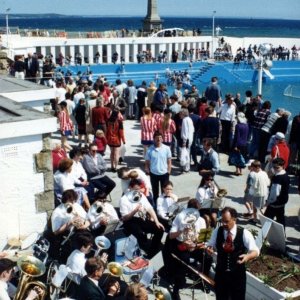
(183,242)
(227,116)
(235,246)
(77,259)
(100,220)
(7,290)
(187,135)
(134,209)
(66,218)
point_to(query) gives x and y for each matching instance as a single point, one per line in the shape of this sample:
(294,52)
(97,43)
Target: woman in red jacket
(114,136)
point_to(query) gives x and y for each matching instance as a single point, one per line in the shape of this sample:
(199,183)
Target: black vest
(228,261)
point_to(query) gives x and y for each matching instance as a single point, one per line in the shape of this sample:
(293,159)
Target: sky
(282,9)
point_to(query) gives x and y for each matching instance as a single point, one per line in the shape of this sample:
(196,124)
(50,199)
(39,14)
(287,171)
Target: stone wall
(45,200)
(3,62)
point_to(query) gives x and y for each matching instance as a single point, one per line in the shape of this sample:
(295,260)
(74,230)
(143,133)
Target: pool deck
(186,185)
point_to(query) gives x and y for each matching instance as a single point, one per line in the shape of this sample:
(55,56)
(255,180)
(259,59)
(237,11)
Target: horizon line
(162,16)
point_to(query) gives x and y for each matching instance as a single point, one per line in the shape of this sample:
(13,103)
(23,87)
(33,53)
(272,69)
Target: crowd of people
(184,129)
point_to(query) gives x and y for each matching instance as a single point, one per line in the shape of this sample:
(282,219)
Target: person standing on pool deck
(158,164)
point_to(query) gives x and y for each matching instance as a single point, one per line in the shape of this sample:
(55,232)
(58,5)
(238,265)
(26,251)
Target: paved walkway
(186,185)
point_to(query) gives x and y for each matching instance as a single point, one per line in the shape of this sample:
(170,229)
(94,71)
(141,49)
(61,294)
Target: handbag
(184,157)
(236,159)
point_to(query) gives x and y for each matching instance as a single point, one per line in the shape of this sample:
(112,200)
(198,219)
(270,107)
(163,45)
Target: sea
(237,27)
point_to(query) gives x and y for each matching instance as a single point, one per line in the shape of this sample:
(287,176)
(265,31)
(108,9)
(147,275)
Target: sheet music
(111,227)
(204,235)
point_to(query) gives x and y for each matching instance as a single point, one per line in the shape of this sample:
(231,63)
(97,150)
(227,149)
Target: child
(100,141)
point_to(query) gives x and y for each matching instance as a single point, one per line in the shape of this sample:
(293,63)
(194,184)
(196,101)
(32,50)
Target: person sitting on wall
(95,167)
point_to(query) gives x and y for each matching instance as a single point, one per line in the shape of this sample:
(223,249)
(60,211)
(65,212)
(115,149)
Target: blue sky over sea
(282,9)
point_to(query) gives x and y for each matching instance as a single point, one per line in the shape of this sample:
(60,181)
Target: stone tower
(152,21)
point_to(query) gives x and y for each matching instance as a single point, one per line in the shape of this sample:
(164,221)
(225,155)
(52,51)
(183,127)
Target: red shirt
(281,150)
(100,115)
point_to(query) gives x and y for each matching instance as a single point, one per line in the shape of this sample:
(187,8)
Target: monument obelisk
(152,21)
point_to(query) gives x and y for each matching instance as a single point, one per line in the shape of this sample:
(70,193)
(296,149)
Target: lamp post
(264,50)
(7,28)
(213,34)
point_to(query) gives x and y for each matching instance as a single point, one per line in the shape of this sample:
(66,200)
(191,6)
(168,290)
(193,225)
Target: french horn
(30,268)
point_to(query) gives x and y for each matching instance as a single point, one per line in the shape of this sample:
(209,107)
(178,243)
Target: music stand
(111,227)
(273,232)
(204,235)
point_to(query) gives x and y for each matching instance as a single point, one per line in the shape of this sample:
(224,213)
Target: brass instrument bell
(115,269)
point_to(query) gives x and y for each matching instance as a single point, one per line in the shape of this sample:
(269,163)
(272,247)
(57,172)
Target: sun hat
(241,118)
(279,136)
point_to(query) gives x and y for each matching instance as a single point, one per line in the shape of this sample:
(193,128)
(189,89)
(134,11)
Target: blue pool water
(232,79)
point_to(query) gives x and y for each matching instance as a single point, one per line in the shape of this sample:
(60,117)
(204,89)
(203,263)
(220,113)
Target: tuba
(115,269)
(30,268)
(189,218)
(136,197)
(162,294)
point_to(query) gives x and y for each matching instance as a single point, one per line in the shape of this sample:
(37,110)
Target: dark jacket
(89,291)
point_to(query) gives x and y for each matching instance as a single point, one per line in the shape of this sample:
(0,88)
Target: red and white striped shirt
(157,117)
(167,133)
(64,121)
(148,127)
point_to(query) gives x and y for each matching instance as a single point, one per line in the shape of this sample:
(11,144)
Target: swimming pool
(232,78)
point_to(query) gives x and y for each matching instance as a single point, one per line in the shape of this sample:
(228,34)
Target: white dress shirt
(60,216)
(248,238)
(187,130)
(227,113)
(108,212)
(76,262)
(78,172)
(7,290)
(163,204)
(205,195)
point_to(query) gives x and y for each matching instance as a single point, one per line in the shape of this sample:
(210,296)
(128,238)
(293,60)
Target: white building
(26,193)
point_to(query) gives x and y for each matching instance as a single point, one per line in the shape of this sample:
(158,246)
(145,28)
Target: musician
(182,241)
(134,211)
(205,194)
(126,174)
(164,202)
(77,259)
(62,221)
(7,290)
(136,291)
(66,218)
(89,288)
(235,246)
(99,221)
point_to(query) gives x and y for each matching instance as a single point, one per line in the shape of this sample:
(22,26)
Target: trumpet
(30,267)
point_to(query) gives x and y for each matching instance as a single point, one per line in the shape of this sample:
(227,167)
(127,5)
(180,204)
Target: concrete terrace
(186,186)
